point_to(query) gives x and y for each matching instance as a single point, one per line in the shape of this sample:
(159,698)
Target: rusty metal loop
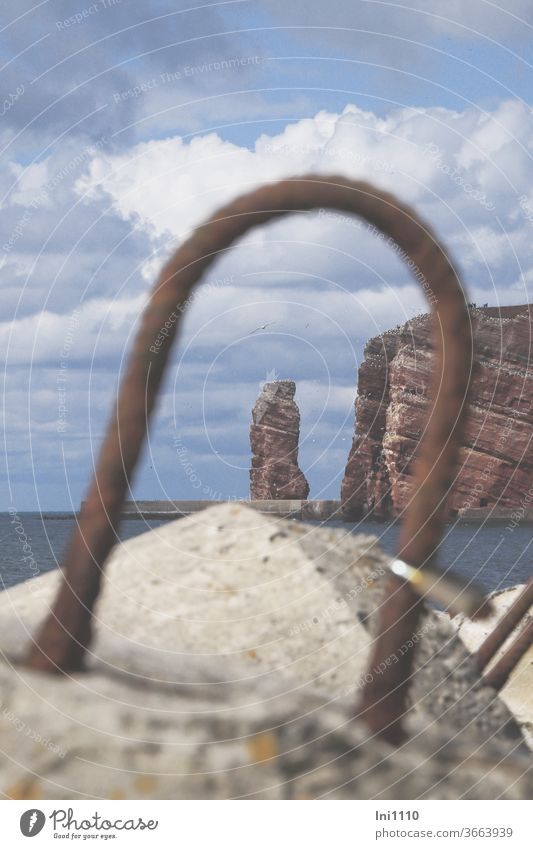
(498,675)
(504,628)
(62,641)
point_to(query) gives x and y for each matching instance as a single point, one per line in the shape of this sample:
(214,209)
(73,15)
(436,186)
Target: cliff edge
(393,404)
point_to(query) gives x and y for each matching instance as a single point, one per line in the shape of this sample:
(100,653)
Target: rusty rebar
(498,674)
(505,626)
(451,590)
(61,643)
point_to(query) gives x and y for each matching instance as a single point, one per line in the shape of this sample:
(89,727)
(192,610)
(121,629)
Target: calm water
(497,557)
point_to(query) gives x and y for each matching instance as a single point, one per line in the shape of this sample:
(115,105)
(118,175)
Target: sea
(496,556)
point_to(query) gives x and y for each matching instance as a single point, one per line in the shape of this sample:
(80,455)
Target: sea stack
(274,436)
(393,405)
(366,483)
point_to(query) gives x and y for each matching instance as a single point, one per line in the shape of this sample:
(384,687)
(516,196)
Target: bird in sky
(263,327)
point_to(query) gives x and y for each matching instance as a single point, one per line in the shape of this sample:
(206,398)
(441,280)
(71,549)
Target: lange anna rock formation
(274,436)
(392,408)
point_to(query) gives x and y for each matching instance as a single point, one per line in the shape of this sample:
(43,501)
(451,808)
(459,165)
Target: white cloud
(29,182)
(463,171)
(320,281)
(90,331)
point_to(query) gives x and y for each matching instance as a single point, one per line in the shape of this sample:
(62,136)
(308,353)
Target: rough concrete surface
(228,655)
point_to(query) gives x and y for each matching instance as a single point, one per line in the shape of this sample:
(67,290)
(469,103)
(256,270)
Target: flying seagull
(263,327)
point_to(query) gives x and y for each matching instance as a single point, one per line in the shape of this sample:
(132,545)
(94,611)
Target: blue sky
(124,124)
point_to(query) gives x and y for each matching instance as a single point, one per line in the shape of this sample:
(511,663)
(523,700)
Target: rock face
(393,404)
(228,657)
(274,436)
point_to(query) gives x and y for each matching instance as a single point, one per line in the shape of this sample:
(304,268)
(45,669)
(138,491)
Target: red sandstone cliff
(392,406)
(274,436)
